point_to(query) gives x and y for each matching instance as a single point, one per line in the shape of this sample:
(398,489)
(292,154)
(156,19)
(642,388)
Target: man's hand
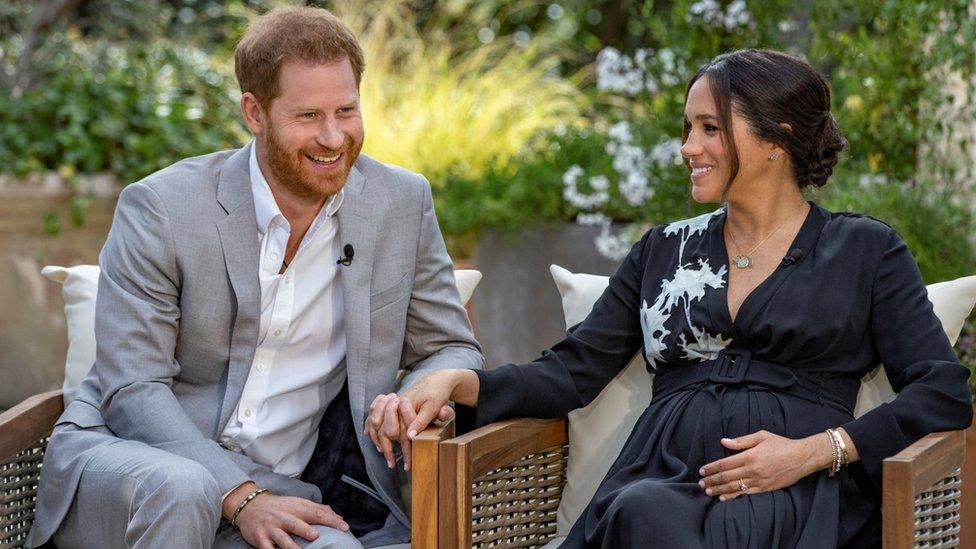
(270,520)
(387,423)
(765,462)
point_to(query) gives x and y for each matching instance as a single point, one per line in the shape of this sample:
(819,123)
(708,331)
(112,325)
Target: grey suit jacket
(178,312)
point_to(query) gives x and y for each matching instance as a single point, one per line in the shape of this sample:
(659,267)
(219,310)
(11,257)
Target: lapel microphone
(348,252)
(795,255)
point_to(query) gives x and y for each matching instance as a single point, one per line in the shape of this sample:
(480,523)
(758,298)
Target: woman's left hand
(765,462)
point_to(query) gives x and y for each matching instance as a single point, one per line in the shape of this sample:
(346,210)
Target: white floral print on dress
(688,284)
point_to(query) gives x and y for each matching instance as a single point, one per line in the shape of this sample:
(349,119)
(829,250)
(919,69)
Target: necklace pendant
(743,262)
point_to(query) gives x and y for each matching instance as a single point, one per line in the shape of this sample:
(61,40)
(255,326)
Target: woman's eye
(710,128)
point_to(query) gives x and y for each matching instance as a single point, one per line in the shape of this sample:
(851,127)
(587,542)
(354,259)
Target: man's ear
(253,112)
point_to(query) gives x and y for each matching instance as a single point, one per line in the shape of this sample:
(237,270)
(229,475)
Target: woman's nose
(690,148)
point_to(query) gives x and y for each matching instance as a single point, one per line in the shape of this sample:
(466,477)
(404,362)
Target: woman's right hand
(422,402)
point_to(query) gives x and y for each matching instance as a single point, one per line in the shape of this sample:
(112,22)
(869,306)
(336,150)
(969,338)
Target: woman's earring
(773,156)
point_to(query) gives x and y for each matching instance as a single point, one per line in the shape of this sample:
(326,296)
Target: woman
(759,321)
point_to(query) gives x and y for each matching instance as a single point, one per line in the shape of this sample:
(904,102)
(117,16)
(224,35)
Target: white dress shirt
(298,366)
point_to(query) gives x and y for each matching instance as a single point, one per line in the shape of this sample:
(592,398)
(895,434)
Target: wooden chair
(500,486)
(24,432)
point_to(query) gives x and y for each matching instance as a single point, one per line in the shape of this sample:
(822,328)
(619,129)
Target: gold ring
(742,486)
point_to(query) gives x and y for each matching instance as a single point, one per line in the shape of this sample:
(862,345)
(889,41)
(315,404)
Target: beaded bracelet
(835,448)
(844,460)
(243,504)
(840,451)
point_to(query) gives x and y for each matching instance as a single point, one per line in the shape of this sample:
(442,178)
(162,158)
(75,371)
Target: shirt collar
(265,207)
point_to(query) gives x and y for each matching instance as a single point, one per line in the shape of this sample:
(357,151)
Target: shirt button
(260,367)
(247,413)
(277,332)
(273,256)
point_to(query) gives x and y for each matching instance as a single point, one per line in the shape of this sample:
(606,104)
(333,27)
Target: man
(251,303)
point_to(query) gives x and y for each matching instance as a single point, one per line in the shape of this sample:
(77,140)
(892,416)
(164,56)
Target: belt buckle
(730,366)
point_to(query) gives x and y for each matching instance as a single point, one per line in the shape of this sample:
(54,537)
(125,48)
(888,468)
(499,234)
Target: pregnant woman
(758,321)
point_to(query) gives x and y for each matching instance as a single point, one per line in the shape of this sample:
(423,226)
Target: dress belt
(737,367)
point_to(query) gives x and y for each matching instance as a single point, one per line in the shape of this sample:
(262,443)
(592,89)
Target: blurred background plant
(112,86)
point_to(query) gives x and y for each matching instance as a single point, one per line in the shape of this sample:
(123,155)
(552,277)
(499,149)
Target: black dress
(849,296)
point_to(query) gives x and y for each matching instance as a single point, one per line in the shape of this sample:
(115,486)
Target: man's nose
(330,136)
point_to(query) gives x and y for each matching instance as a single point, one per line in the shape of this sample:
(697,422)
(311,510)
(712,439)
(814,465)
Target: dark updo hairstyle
(769,88)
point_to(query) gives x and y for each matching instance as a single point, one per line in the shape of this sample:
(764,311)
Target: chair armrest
(424,487)
(24,430)
(515,470)
(921,491)
(26,423)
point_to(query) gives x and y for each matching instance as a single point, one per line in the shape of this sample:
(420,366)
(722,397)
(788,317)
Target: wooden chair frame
(921,483)
(24,430)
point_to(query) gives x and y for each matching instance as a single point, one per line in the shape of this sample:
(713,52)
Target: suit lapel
(241,249)
(356,230)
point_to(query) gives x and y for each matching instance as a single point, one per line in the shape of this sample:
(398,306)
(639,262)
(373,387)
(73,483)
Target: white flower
(621,133)
(612,246)
(572,194)
(869,180)
(599,183)
(666,153)
(592,219)
(616,72)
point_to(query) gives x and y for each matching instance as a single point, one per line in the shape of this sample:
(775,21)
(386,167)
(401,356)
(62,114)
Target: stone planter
(517,308)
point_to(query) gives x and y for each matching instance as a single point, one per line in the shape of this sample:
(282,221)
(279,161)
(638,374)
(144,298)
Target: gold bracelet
(250,497)
(844,460)
(835,449)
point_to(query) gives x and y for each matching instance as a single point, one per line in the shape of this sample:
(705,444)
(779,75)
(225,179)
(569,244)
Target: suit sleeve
(137,317)
(923,369)
(438,333)
(574,371)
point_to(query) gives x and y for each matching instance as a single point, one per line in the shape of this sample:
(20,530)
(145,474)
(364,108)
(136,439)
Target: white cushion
(603,426)
(79,286)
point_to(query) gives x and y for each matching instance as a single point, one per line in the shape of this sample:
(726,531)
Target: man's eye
(309,115)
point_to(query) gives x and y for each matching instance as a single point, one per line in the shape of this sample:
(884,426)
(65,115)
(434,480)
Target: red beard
(291,171)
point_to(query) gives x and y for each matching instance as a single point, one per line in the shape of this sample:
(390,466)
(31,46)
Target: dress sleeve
(574,371)
(922,367)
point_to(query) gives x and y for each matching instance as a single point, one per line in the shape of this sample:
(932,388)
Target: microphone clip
(348,251)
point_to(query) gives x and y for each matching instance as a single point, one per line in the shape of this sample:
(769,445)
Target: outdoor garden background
(549,131)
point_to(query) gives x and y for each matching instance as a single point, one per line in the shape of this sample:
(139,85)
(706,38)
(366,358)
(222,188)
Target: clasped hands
(389,421)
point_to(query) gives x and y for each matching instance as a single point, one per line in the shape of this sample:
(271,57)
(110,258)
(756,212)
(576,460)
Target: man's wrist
(465,385)
(234,498)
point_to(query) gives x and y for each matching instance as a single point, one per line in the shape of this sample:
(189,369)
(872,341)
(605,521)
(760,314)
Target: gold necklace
(745,261)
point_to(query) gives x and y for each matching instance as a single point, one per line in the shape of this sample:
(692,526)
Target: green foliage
(129,111)
(96,104)
(438,108)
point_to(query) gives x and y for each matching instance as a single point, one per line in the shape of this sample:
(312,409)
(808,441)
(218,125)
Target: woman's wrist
(820,452)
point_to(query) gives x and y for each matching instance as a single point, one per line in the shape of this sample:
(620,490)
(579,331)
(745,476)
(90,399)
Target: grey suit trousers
(134,495)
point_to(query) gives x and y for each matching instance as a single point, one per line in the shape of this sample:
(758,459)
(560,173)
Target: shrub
(442,108)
